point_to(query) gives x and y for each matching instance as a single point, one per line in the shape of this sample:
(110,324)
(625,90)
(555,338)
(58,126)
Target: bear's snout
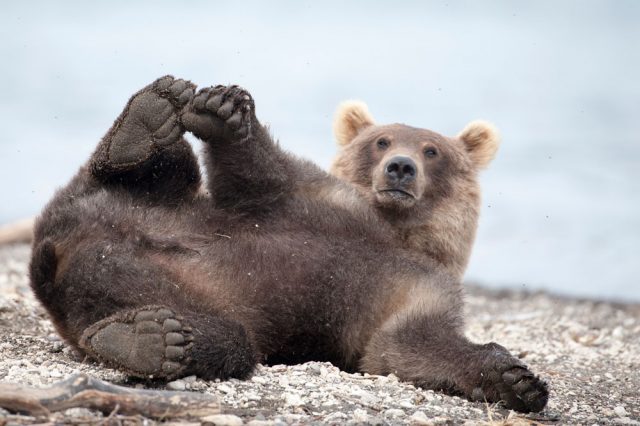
(400,170)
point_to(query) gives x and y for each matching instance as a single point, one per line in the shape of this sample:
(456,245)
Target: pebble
(394,412)
(419,418)
(620,411)
(293,400)
(78,412)
(335,417)
(360,416)
(252,396)
(56,374)
(405,403)
(258,379)
(177,385)
(223,420)
(226,389)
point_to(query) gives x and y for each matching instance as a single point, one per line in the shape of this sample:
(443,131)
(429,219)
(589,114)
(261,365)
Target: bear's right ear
(351,118)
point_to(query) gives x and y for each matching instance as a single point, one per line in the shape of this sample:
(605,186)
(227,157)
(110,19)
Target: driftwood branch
(81,390)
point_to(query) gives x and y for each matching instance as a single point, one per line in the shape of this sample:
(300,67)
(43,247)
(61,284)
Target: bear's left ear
(350,119)
(481,140)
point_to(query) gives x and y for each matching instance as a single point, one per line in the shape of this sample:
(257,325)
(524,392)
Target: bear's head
(425,184)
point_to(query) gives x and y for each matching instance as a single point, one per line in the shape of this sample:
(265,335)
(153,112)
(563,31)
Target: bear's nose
(400,169)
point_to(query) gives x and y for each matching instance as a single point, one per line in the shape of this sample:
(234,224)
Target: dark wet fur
(264,269)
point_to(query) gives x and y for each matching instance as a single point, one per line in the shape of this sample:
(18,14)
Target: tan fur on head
(482,140)
(351,117)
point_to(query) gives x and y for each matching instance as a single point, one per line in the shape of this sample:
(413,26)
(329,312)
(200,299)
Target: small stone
(223,420)
(429,396)
(419,418)
(620,411)
(259,379)
(360,415)
(53,337)
(56,347)
(252,396)
(394,412)
(293,400)
(78,412)
(618,332)
(405,403)
(177,385)
(226,389)
(315,369)
(283,381)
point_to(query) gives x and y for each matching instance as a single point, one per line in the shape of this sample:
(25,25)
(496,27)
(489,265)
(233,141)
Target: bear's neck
(444,230)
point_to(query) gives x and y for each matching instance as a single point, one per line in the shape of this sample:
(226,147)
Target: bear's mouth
(397,193)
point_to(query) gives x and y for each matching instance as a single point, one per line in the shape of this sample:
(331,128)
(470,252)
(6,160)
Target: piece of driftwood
(81,390)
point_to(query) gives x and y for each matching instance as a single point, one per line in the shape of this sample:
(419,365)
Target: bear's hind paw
(148,342)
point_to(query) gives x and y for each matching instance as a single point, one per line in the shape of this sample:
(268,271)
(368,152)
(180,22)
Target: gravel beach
(588,351)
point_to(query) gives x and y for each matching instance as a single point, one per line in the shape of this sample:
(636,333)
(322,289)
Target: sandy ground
(588,351)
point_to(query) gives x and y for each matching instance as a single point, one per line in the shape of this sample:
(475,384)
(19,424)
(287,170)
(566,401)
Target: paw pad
(146,342)
(149,122)
(231,105)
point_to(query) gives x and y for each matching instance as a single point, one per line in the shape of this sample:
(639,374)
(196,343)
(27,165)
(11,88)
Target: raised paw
(149,123)
(151,341)
(220,112)
(504,378)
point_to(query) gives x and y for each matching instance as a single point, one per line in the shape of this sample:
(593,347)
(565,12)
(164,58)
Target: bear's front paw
(220,113)
(504,378)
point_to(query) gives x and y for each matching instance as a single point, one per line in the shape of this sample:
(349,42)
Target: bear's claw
(504,378)
(150,341)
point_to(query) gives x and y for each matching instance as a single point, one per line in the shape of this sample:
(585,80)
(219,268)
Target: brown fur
(280,263)
(440,220)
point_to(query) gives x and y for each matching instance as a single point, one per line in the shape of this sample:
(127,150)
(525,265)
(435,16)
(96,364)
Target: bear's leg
(144,151)
(156,341)
(246,168)
(109,301)
(430,352)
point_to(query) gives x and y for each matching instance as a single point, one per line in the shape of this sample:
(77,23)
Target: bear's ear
(351,118)
(481,140)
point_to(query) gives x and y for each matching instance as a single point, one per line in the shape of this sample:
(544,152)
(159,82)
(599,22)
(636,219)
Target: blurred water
(560,79)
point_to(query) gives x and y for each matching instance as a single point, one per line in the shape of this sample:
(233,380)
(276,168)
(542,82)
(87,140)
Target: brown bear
(277,262)
(420,182)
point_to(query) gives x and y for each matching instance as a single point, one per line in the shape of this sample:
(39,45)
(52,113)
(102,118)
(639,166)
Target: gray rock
(177,385)
(223,420)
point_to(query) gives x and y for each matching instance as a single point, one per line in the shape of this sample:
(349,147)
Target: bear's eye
(383,143)
(430,152)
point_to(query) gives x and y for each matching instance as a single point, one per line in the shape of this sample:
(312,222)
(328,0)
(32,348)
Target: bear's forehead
(406,134)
